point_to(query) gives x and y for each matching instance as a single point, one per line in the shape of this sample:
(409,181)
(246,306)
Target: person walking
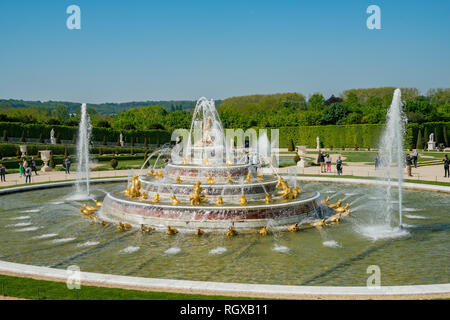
(377,161)
(21,169)
(67,165)
(28,172)
(446,161)
(409,164)
(3,173)
(321,161)
(328,162)
(33,165)
(415,156)
(339,166)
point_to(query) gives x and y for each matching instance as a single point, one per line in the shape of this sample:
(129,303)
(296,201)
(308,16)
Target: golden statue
(334,218)
(123,226)
(206,162)
(98,203)
(285,191)
(150,173)
(143,196)
(219,201)
(89,208)
(174,200)
(133,192)
(159,174)
(197,197)
(342,209)
(295,192)
(144,228)
(105,223)
(321,223)
(268,198)
(293,227)
(248,178)
(325,201)
(228,162)
(263,231)
(279,185)
(243,200)
(231,231)
(179,180)
(211,180)
(335,205)
(171,230)
(347,213)
(260,176)
(199,232)
(229,180)
(156,199)
(185,161)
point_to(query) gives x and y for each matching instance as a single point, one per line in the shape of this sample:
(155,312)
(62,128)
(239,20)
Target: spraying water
(391,154)
(84,138)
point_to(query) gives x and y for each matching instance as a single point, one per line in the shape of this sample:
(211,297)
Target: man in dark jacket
(446,161)
(33,165)
(409,164)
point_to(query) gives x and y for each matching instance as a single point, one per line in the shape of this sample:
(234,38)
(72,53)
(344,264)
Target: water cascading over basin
(207,185)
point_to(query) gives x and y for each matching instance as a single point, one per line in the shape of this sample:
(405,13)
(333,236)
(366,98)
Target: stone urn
(301,151)
(45,156)
(23,149)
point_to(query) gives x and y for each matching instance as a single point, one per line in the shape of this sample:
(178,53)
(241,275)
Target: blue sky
(145,50)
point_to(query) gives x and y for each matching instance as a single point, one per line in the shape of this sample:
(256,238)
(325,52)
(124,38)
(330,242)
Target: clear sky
(169,50)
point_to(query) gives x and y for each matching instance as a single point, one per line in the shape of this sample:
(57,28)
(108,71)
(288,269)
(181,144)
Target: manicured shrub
(114,163)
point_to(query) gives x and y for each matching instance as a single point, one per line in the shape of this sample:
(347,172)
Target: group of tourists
(325,163)
(26,169)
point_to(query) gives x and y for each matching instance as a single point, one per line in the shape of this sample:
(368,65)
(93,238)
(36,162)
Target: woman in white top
(328,162)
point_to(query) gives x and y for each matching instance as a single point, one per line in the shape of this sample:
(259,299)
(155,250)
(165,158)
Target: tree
(22,137)
(104,141)
(61,113)
(425,137)
(41,138)
(145,143)
(291,145)
(316,102)
(419,143)
(66,153)
(335,113)
(5,136)
(444,133)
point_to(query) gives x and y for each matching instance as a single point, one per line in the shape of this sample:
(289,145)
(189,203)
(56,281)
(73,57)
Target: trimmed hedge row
(16,129)
(12,149)
(361,135)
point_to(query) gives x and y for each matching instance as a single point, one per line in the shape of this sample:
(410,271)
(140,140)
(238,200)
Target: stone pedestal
(431,145)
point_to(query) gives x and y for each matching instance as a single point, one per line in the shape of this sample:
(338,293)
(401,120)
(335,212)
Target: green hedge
(12,149)
(361,135)
(15,129)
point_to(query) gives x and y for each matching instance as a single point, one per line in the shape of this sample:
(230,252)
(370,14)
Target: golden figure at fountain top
(179,180)
(268,198)
(219,201)
(174,200)
(243,200)
(248,178)
(210,180)
(156,199)
(197,197)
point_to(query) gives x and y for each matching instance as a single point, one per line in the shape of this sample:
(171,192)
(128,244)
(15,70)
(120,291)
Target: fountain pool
(43,228)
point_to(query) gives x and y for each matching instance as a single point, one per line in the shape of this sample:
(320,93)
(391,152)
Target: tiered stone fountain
(209,187)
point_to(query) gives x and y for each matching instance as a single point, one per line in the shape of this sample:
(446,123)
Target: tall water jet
(391,154)
(84,138)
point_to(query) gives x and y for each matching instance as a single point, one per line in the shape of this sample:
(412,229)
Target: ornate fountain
(208,185)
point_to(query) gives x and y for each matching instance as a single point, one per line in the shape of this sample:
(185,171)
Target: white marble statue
(121,140)
(431,142)
(318,143)
(52,137)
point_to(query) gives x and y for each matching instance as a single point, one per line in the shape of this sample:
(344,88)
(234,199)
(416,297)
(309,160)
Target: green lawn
(48,290)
